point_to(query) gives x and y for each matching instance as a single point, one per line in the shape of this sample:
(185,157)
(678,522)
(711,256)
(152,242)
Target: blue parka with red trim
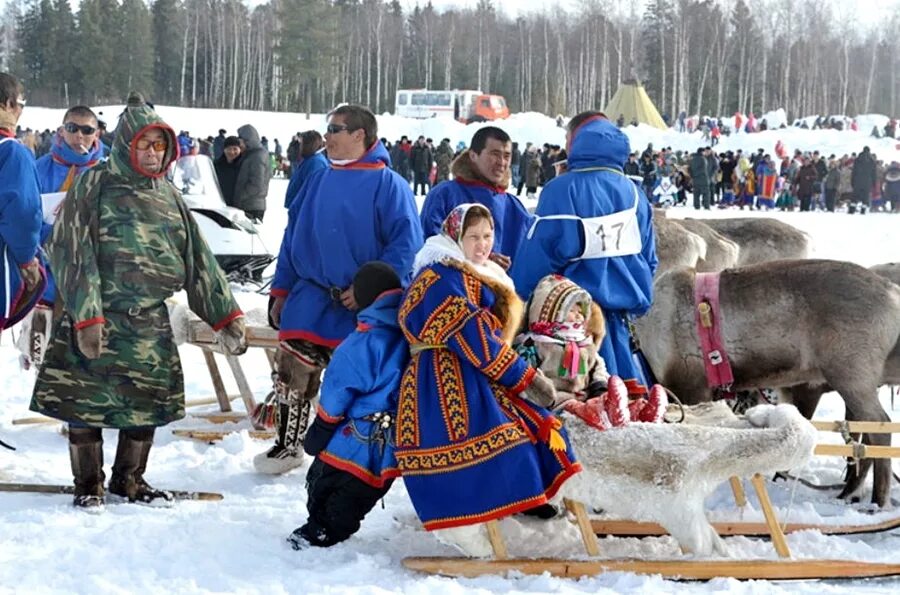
(20,227)
(621,283)
(511,219)
(362,381)
(343,217)
(61,165)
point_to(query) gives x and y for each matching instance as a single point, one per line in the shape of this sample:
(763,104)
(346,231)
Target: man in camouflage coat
(123,242)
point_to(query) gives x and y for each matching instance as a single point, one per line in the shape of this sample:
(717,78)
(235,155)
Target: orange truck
(464,105)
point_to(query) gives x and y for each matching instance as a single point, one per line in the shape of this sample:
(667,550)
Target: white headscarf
(447,245)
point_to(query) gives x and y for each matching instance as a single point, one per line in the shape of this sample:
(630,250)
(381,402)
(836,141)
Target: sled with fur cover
(673,468)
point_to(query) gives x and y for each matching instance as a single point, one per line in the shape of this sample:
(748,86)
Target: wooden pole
(33,421)
(218,385)
(866,427)
(243,385)
(497,543)
(778,539)
(740,498)
(584,525)
(856,450)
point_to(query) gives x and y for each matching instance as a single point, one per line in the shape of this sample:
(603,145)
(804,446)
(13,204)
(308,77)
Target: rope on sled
(674,397)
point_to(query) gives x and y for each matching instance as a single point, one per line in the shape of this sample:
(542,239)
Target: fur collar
(463,169)
(440,248)
(508,308)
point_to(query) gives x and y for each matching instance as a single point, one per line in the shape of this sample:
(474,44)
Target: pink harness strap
(709,328)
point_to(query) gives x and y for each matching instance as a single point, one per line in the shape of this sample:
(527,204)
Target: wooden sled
(620,528)
(216,435)
(681,570)
(678,570)
(39,488)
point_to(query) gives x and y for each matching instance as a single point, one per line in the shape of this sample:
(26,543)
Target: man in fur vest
(481,175)
(351,212)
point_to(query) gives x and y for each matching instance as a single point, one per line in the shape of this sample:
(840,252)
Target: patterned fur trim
(508,307)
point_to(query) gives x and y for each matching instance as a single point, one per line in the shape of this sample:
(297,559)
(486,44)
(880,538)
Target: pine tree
(63,74)
(307,42)
(168,37)
(134,69)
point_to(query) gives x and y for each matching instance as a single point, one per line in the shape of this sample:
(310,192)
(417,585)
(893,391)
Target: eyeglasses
(335,128)
(84,128)
(157,145)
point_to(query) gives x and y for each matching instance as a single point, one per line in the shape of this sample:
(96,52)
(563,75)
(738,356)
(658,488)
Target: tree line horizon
(698,56)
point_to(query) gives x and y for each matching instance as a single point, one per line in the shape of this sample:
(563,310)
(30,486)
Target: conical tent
(632,101)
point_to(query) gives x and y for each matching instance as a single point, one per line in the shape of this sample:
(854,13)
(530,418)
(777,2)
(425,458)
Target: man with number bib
(595,227)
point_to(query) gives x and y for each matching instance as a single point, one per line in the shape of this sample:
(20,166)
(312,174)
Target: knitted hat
(553,297)
(371,280)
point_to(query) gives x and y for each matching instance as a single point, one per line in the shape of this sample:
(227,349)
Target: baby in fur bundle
(562,338)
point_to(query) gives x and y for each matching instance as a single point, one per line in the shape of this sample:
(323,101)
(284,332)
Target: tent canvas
(632,101)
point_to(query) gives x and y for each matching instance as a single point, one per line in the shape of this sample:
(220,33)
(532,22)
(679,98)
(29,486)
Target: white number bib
(617,234)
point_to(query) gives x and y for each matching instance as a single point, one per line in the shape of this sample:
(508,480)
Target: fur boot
(127,479)
(296,381)
(86,455)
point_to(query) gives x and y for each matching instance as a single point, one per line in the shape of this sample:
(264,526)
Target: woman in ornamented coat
(471,444)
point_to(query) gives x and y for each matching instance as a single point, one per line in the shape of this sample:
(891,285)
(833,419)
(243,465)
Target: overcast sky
(867,12)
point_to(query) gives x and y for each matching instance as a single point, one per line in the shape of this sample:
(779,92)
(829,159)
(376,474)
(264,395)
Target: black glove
(596,388)
(318,436)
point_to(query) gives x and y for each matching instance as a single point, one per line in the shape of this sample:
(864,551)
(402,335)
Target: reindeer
(762,239)
(801,325)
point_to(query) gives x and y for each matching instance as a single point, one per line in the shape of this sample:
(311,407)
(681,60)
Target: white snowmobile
(231,235)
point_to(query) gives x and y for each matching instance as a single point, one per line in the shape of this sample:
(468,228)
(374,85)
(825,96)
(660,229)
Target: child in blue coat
(353,432)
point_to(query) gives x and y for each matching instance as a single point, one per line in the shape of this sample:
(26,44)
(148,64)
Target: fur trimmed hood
(555,295)
(464,170)
(508,307)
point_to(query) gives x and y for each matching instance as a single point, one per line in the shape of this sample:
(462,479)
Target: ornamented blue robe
(469,447)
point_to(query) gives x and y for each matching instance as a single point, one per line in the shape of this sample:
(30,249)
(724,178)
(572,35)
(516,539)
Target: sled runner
(216,435)
(39,488)
(673,569)
(621,528)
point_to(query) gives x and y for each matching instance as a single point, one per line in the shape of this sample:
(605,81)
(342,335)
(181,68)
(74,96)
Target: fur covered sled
(662,473)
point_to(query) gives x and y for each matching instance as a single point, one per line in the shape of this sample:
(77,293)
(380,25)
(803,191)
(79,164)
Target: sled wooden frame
(783,568)
(201,335)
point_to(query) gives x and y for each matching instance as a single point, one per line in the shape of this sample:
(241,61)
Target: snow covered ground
(237,545)
(522,127)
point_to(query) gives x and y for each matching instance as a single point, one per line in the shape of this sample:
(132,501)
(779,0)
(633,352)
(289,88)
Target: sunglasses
(85,129)
(157,145)
(335,128)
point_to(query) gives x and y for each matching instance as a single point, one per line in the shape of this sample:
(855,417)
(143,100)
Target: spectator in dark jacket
(421,157)
(699,169)
(219,144)
(862,179)
(832,183)
(805,184)
(227,167)
(252,184)
(632,168)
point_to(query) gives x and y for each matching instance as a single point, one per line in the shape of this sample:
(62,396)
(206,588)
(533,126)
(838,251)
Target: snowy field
(522,127)
(237,545)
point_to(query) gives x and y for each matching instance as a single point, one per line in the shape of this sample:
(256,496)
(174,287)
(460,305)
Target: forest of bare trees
(698,56)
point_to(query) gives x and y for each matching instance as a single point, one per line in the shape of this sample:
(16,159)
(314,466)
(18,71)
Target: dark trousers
(701,196)
(421,180)
(830,197)
(337,504)
(805,202)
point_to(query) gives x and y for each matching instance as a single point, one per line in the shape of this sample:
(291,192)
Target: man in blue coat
(354,211)
(352,436)
(595,227)
(75,148)
(481,175)
(21,275)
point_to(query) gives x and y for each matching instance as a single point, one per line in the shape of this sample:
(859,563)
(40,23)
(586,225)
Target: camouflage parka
(123,243)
